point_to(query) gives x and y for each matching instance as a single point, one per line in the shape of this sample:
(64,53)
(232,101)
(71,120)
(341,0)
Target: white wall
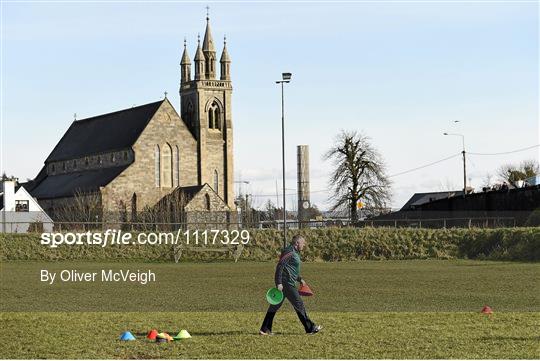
(18,222)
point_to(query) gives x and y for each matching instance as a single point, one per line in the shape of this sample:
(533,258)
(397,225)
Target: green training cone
(183,334)
(274,296)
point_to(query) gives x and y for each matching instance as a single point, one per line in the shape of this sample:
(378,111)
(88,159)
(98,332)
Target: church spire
(208,42)
(185,65)
(199,61)
(225,62)
(209,49)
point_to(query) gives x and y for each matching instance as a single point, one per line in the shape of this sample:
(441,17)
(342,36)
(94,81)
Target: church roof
(185,56)
(208,42)
(190,191)
(65,185)
(199,56)
(225,54)
(104,133)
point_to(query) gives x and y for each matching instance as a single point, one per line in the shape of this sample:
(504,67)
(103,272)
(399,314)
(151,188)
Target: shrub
(329,244)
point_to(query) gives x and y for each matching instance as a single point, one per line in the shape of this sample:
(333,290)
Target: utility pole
(464,172)
(464,160)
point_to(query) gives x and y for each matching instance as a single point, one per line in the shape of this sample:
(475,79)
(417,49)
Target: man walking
(287,274)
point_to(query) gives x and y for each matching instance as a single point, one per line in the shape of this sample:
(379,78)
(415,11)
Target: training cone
(487,310)
(152,335)
(274,296)
(182,335)
(304,290)
(127,336)
(163,337)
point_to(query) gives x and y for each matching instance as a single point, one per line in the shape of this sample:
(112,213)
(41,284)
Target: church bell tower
(205,106)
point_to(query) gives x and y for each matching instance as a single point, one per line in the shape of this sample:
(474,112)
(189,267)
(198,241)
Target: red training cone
(152,335)
(304,290)
(487,310)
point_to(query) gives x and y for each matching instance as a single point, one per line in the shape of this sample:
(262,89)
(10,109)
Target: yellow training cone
(183,334)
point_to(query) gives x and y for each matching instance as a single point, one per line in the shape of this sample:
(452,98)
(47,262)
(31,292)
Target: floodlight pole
(285,79)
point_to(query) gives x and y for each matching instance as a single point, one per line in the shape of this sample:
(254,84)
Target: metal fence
(465,222)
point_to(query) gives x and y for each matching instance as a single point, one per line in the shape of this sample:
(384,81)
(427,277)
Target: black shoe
(315,330)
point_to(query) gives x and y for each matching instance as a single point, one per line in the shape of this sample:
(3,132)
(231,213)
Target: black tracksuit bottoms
(291,293)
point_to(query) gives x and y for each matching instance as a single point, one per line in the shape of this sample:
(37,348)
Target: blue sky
(398,71)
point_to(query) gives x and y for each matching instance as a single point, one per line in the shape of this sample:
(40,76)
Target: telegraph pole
(464,160)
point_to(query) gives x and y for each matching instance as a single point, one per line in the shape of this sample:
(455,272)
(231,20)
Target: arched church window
(216,181)
(214,116)
(207,201)
(176,166)
(167,166)
(217,119)
(190,112)
(211,118)
(157,162)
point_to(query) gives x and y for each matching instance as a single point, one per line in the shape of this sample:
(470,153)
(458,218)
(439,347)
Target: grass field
(387,309)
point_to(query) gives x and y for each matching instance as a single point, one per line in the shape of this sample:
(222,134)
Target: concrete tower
(206,108)
(304,203)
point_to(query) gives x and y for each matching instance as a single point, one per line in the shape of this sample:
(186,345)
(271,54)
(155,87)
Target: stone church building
(138,156)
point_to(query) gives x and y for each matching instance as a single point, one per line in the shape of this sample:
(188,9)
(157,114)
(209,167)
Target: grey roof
(186,192)
(423,198)
(190,191)
(104,133)
(66,185)
(31,184)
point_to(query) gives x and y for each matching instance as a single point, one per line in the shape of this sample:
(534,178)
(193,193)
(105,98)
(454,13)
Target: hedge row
(330,244)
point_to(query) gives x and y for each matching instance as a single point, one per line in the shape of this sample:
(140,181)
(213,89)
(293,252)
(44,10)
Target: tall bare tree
(81,211)
(359,174)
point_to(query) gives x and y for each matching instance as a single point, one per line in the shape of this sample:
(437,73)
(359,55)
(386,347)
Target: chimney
(8,188)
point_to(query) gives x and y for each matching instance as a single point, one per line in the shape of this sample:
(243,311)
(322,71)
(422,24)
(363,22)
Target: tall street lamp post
(286,78)
(464,161)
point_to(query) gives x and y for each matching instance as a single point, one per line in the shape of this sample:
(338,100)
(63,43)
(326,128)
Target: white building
(19,211)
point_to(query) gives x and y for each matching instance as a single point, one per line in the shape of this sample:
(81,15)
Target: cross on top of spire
(207,12)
